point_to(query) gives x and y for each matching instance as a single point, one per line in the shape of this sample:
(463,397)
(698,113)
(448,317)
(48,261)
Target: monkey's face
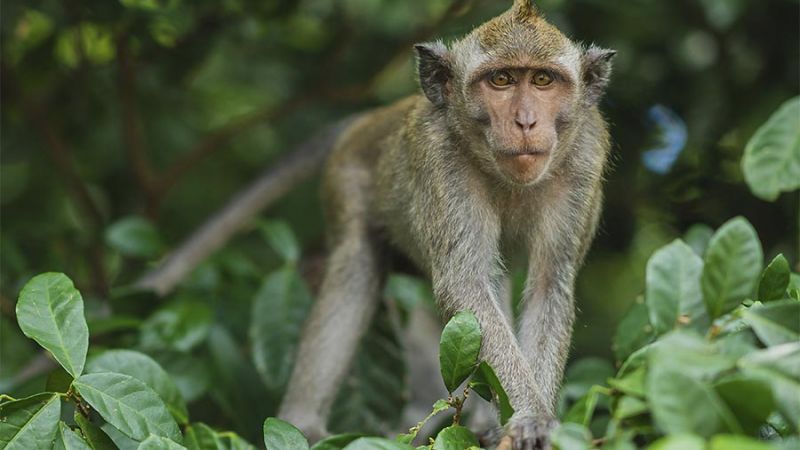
(520,110)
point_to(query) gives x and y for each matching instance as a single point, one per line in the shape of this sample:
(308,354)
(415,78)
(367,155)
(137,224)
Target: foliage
(125,124)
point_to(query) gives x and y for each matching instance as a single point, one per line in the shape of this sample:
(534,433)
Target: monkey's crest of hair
(521,32)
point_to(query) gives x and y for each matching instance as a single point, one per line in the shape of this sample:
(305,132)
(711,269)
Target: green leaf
(128,404)
(571,436)
(585,373)
(200,436)
(66,439)
(673,286)
(681,404)
(279,311)
(455,437)
(774,280)
(697,237)
(281,239)
(776,322)
(96,438)
(236,386)
(145,369)
(337,442)
(633,332)
(29,423)
(731,442)
(749,399)
(179,326)
(408,291)
(459,348)
(375,391)
(679,391)
(771,162)
(134,237)
(779,366)
(485,375)
(120,439)
(682,441)
(628,406)
(582,410)
(280,435)
(374,443)
(50,311)
(159,443)
(732,266)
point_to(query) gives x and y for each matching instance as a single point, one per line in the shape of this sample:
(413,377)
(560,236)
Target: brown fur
(427,176)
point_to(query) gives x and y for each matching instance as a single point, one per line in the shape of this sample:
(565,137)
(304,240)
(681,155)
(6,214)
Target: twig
(131,125)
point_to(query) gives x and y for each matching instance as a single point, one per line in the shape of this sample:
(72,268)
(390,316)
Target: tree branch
(275,182)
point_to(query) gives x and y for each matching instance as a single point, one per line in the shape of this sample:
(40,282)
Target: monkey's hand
(528,432)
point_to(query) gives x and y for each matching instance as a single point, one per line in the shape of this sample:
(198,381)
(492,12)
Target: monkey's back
(349,175)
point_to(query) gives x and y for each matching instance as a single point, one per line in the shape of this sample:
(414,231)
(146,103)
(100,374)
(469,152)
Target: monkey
(502,153)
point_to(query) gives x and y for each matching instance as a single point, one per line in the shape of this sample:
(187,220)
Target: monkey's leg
(347,300)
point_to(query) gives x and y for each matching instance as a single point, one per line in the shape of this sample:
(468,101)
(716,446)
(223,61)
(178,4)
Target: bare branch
(300,164)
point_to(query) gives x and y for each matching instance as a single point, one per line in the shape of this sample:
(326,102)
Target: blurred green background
(126,123)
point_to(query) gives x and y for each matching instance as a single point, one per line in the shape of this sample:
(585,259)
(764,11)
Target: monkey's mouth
(523,153)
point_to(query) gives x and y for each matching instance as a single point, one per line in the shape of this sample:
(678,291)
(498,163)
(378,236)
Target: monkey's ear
(596,72)
(434,70)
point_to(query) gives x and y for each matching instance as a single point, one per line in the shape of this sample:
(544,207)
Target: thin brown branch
(215,140)
(61,157)
(131,123)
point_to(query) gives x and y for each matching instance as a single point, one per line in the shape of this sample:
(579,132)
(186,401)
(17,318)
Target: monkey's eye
(542,78)
(501,78)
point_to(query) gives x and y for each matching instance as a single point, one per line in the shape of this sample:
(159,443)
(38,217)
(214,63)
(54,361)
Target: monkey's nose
(525,120)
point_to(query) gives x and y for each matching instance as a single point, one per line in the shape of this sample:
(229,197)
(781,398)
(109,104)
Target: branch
(131,122)
(61,156)
(275,182)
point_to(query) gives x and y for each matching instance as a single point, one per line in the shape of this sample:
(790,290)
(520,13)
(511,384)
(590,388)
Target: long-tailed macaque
(504,153)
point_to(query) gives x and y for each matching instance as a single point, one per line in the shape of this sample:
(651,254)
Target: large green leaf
(459,348)
(66,439)
(236,386)
(128,404)
(145,369)
(50,311)
(280,435)
(774,280)
(159,443)
(771,162)
(732,266)
(673,280)
(29,423)
(679,390)
(779,366)
(776,322)
(373,394)
(455,437)
(279,311)
(749,399)
(682,404)
(485,381)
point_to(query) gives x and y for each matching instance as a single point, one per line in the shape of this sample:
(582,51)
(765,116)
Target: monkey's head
(514,89)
